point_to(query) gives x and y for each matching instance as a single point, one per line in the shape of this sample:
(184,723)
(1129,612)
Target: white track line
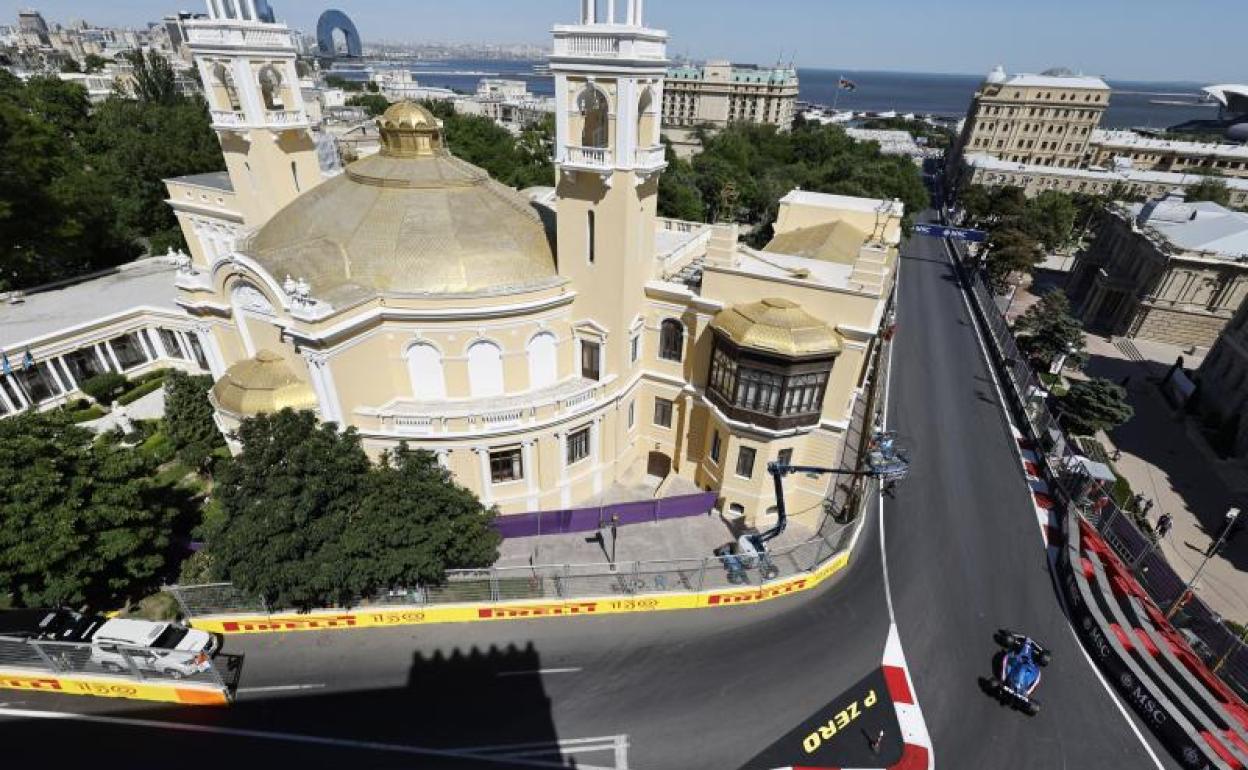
(539,672)
(992,371)
(311,740)
(282,688)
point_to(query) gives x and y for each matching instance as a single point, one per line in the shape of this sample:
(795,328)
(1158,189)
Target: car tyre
(112,668)
(1045,658)
(994,685)
(1032,708)
(173,673)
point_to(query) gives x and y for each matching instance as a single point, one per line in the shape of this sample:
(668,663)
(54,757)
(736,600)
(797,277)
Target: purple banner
(590,519)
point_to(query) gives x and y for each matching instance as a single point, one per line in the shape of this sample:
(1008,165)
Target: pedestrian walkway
(1166,461)
(149,407)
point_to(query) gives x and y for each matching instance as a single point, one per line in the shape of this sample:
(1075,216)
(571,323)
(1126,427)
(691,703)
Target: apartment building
(1127,149)
(720,93)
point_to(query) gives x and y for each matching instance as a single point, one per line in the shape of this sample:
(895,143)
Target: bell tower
(246,61)
(609,71)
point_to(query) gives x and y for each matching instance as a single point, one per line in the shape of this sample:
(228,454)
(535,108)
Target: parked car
(168,649)
(51,625)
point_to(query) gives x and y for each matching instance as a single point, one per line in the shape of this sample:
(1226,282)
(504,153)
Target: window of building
(672,340)
(197,350)
(716,446)
(506,465)
(634,348)
(543,361)
(745,462)
(169,340)
(591,235)
(485,369)
(424,367)
(594,111)
(591,360)
(632,414)
(37,382)
(662,412)
(129,351)
(785,457)
(578,445)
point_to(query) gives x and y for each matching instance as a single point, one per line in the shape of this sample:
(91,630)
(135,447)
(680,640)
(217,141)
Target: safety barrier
(138,673)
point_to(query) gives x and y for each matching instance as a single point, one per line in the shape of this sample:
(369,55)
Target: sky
(1198,41)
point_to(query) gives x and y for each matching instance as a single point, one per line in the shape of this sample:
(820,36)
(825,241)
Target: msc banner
(525,610)
(956,233)
(100,687)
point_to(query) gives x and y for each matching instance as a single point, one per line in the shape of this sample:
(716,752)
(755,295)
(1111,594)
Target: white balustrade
(228,119)
(651,157)
(285,118)
(589,157)
(414,425)
(248,36)
(587,45)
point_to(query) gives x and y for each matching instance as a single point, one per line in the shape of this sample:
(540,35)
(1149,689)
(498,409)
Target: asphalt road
(711,688)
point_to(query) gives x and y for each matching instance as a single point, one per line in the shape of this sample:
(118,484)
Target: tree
(519,162)
(81,521)
(1092,405)
(305,520)
(1048,330)
(976,201)
(105,387)
(1010,251)
(152,78)
(189,419)
(374,104)
(93,63)
(679,197)
(1050,219)
(70,66)
(1212,190)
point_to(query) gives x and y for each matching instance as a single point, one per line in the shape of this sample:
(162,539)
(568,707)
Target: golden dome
(777,326)
(262,385)
(411,220)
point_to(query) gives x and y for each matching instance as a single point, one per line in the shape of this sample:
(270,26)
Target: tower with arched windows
(609,71)
(246,61)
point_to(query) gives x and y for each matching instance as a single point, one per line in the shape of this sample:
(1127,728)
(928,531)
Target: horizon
(729,29)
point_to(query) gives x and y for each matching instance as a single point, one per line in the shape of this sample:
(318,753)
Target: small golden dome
(777,325)
(409,130)
(262,385)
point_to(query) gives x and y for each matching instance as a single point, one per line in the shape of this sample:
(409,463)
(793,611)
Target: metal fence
(1225,653)
(138,664)
(559,582)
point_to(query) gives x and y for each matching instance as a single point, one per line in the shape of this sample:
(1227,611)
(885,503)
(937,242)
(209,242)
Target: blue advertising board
(956,233)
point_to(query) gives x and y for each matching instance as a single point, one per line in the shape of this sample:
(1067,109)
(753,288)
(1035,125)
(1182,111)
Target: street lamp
(1231,516)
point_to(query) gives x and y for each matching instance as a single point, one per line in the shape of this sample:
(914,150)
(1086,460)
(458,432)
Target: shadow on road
(455,710)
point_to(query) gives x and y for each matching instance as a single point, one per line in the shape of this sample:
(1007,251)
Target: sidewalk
(1164,461)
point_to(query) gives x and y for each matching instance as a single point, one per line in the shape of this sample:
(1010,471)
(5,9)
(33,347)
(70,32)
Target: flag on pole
(5,366)
(847,84)
(28,361)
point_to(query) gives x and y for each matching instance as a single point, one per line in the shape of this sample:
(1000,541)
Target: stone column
(22,401)
(8,402)
(112,354)
(103,359)
(208,341)
(487,489)
(595,447)
(531,472)
(158,345)
(67,372)
(184,346)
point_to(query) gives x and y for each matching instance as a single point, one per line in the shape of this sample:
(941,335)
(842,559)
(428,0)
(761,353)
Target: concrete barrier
(113,687)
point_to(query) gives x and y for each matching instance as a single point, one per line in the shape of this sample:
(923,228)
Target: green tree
(94,63)
(306,520)
(518,162)
(679,197)
(1010,251)
(106,387)
(976,201)
(1048,330)
(189,419)
(375,104)
(1050,219)
(70,66)
(1092,405)
(1212,190)
(81,521)
(152,78)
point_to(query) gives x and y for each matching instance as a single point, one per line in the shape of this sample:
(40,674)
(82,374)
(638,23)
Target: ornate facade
(555,348)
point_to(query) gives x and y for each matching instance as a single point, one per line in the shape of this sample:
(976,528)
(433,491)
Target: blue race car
(1020,671)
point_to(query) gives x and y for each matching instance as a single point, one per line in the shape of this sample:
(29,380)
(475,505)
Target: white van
(165,648)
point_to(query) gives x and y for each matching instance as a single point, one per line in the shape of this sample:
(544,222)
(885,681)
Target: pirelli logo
(30,683)
(761,595)
(289,624)
(537,611)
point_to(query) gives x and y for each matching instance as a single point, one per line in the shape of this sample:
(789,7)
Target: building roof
(216,180)
(843,202)
(262,385)
(1134,141)
(838,242)
(777,326)
(1233,96)
(993,163)
(1057,81)
(148,283)
(1200,226)
(411,220)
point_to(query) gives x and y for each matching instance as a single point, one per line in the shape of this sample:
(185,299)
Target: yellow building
(552,348)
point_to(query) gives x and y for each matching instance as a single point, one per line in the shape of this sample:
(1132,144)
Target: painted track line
(538,672)
(282,688)
(1015,434)
(293,738)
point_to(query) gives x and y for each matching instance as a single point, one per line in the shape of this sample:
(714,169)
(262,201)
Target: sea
(1133,104)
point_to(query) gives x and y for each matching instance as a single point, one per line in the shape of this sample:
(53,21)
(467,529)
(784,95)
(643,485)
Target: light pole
(1222,661)
(1231,516)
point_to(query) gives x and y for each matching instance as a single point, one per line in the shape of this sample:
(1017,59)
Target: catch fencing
(1222,650)
(591,519)
(115,662)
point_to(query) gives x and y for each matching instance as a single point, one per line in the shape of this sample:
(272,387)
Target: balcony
(286,118)
(605,41)
(228,119)
(650,159)
(587,45)
(597,159)
(474,417)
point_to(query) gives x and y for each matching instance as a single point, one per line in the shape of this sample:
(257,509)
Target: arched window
(271,88)
(226,82)
(424,366)
(543,361)
(593,106)
(485,369)
(294,174)
(672,340)
(645,121)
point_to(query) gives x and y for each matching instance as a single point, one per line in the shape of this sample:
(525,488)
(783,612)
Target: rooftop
(831,242)
(217,180)
(1057,81)
(993,163)
(1200,226)
(843,202)
(1133,140)
(148,283)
